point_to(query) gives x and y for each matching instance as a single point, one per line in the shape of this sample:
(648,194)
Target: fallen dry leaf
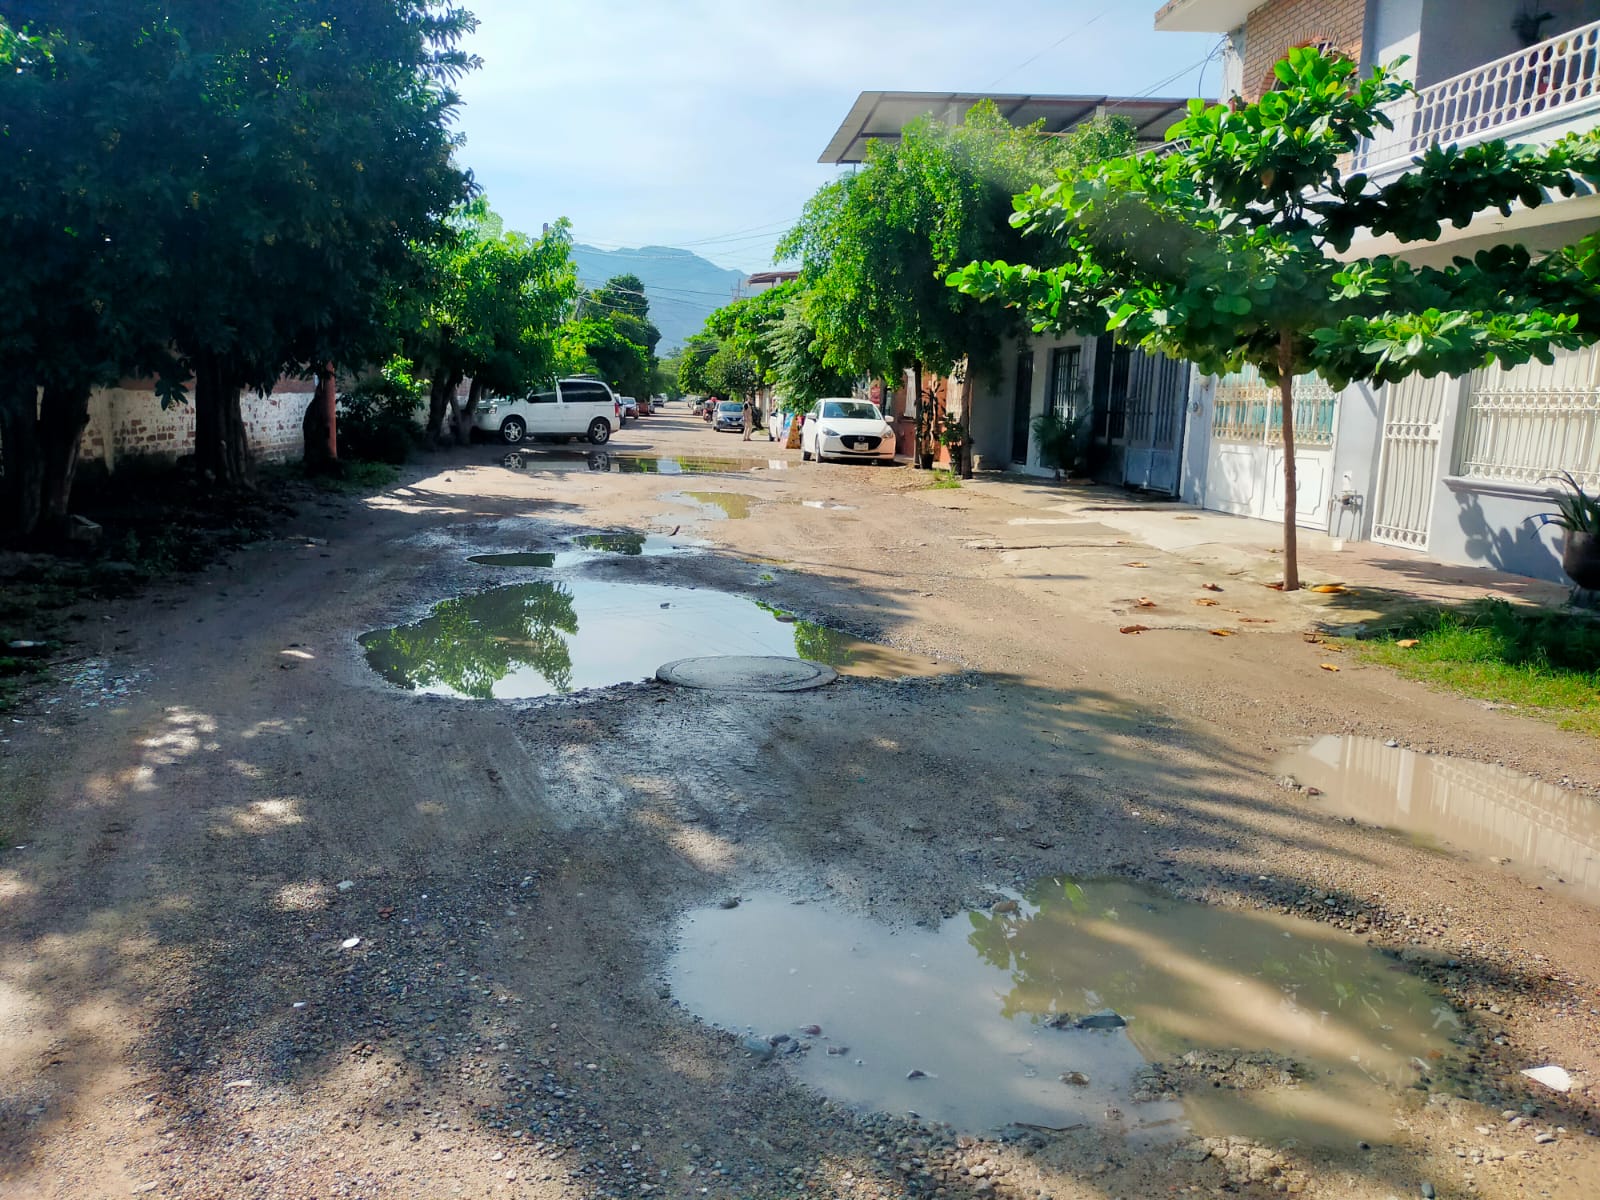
(1212,587)
(1222,633)
(1208,603)
(1313,638)
(1277,587)
(1186,518)
(1327,589)
(1407,643)
(1328,666)
(1134,628)
(1146,602)
(1257,620)
(1136,564)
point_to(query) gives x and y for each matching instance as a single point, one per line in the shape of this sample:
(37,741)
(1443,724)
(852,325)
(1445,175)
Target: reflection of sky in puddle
(553,636)
(1486,810)
(628,464)
(967,1005)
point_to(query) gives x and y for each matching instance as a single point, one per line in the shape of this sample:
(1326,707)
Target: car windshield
(852,410)
(731,406)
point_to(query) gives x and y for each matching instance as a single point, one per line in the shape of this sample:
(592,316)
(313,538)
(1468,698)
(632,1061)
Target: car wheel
(599,431)
(513,430)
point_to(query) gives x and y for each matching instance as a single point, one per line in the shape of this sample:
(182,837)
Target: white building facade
(1457,469)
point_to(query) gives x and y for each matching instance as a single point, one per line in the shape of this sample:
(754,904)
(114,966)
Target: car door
(808,434)
(582,401)
(538,411)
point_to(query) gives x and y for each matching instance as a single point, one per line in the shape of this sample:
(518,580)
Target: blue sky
(698,123)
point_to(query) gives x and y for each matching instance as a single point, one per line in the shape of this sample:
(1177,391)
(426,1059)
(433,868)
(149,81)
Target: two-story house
(1455,468)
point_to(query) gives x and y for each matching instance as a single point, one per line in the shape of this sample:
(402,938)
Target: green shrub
(377,419)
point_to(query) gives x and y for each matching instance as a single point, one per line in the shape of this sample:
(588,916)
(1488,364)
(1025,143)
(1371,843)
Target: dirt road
(284,929)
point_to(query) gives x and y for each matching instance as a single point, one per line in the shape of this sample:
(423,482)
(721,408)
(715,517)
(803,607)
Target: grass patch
(1536,659)
(361,478)
(944,480)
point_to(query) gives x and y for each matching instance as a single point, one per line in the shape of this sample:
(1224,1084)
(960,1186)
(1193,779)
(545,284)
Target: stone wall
(1279,25)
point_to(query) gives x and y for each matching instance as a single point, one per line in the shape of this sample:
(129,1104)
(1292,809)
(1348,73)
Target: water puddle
(829,504)
(717,506)
(648,545)
(1236,1023)
(1548,834)
(555,636)
(630,464)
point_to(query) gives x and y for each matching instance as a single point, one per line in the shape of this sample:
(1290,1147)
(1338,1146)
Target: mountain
(683,288)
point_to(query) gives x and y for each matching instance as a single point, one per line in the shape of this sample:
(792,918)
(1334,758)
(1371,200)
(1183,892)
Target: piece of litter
(350,943)
(1553,1077)
(346,884)
(241,1083)
(1407,643)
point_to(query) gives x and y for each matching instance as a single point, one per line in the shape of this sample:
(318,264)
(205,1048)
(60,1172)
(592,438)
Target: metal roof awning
(882,115)
(1204,16)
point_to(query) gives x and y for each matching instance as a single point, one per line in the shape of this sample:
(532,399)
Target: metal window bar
(1246,409)
(1066,386)
(1523,424)
(1560,72)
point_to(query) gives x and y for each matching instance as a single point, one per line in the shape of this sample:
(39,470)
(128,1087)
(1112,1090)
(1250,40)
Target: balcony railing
(1551,81)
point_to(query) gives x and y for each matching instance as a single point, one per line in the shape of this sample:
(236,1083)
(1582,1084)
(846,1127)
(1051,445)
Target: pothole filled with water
(1547,834)
(586,546)
(1100,1003)
(561,635)
(632,464)
(716,506)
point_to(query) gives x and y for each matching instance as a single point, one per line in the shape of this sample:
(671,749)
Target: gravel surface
(284,930)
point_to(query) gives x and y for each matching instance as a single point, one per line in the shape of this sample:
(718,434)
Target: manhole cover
(747,673)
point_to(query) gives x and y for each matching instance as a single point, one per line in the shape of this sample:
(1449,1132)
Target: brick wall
(130,421)
(1271,30)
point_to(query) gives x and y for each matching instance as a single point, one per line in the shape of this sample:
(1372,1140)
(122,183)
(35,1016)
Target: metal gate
(1157,389)
(1408,463)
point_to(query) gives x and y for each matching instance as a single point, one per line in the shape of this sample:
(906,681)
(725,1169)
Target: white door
(1408,463)
(1244,474)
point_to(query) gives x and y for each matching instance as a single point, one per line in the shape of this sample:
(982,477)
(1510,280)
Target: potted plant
(1579,514)
(1062,441)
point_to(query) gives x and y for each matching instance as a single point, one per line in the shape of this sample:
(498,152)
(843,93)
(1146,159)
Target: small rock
(1003,906)
(1544,1139)
(350,943)
(758,1047)
(728,902)
(811,1030)
(1076,1079)
(1104,1019)
(914,1073)
(1427,1191)
(346,884)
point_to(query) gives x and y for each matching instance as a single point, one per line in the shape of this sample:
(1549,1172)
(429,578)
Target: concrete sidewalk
(1085,537)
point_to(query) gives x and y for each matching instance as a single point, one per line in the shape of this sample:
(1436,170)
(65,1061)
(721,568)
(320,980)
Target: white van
(584,408)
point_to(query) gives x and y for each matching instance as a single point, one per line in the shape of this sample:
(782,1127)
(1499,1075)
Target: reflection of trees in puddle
(470,643)
(815,642)
(1197,977)
(612,543)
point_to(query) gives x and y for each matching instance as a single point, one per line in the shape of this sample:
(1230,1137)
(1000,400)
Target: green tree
(594,345)
(1222,251)
(733,372)
(490,309)
(800,373)
(694,361)
(875,246)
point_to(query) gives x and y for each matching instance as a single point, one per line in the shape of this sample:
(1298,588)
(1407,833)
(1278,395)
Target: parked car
(570,408)
(730,415)
(843,428)
(630,408)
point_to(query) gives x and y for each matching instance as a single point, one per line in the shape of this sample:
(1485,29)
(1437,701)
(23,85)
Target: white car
(585,408)
(844,428)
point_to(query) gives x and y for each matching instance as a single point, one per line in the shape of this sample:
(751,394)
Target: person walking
(749,417)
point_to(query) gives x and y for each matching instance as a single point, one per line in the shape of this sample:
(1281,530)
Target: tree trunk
(464,415)
(21,457)
(967,393)
(924,452)
(221,445)
(61,424)
(1291,549)
(441,400)
(319,426)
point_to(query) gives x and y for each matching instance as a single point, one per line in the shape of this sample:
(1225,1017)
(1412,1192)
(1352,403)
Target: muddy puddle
(586,547)
(631,464)
(1235,1023)
(1547,834)
(561,635)
(716,506)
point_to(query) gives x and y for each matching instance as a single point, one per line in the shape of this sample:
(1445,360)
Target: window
(851,410)
(1066,385)
(585,391)
(1246,409)
(1525,423)
(540,398)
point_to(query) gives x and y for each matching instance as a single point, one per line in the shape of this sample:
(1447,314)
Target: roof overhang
(882,115)
(1204,16)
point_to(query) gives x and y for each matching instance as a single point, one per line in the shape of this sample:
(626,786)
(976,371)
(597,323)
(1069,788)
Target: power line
(1073,32)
